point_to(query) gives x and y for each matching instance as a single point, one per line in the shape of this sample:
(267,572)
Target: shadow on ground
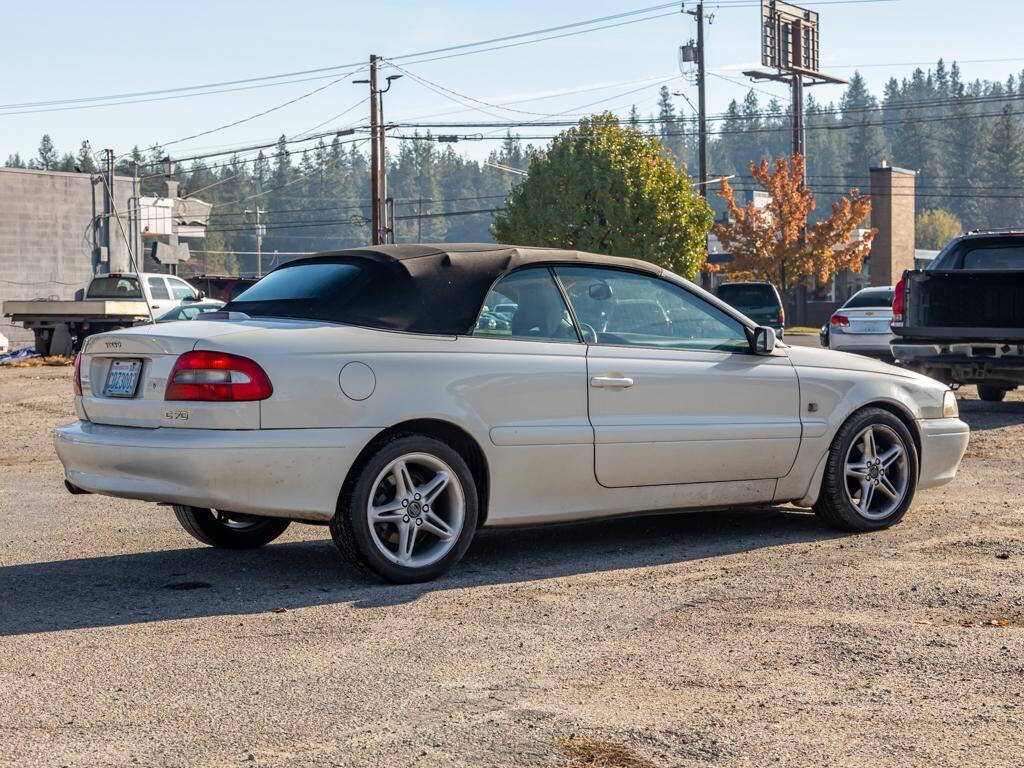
(982,416)
(198,582)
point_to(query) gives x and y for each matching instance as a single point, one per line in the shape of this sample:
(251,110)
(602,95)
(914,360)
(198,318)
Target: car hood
(809,357)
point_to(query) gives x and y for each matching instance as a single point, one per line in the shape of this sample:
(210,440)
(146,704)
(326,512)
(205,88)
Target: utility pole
(108,239)
(387,205)
(376,144)
(380,229)
(702,125)
(797,39)
(259,238)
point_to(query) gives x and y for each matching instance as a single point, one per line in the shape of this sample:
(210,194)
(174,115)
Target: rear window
(1008,257)
(350,291)
(869,299)
(748,295)
(114,288)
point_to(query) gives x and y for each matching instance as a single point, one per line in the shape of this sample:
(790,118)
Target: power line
(720,132)
(722,116)
(267,111)
(465,49)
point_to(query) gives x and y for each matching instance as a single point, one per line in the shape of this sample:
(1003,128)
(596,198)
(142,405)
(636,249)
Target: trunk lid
(151,351)
(867,319)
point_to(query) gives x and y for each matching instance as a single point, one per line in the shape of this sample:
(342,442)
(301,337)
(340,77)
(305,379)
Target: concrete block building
(53,235)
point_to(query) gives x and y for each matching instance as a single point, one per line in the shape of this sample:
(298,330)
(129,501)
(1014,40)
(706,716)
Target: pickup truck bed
(965,325)
(958,305)
(90,308)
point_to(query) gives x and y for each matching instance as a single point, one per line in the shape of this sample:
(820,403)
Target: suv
(757,300)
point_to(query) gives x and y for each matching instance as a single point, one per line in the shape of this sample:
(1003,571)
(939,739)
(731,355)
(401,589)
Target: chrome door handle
(611,382)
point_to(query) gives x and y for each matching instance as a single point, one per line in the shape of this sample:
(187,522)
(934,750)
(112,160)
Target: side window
(157,288)
(625,308)
(181,289)
(526,305)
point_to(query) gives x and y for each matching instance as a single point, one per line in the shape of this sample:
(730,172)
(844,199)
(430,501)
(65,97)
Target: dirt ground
(738,638)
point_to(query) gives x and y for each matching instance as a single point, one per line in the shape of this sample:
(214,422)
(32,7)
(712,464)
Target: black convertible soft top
(423,288)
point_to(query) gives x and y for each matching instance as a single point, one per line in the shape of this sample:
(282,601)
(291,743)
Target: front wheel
(870,474)
(409,512)
(229,530)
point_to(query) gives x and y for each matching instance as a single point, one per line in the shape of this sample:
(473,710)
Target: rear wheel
(229,530)
(409,512)
(42,340)
(991,394)
(870,474)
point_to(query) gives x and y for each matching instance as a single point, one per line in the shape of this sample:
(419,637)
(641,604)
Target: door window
(181,289)
(157,288)
(616,307)
(526,305)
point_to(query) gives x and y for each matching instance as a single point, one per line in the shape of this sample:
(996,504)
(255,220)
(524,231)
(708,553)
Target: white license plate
(122,378)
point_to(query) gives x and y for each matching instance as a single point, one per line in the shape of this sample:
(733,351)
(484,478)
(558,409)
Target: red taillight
(839,320)
(899,301)
(78,374)
(217,376)
(782,316)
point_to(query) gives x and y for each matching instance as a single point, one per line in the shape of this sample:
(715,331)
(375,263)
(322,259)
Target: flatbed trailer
(60,327)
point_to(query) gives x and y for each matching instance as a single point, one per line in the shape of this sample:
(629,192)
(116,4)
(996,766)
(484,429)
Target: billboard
(789,37)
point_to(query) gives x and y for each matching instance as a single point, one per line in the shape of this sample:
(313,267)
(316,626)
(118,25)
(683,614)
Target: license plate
(122,378)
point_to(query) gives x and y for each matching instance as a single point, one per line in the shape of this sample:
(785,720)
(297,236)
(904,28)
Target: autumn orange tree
(775,243)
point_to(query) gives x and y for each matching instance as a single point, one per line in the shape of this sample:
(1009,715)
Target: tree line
(964,138)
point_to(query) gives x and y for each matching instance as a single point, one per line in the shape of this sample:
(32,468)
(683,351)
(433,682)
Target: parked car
(757,300)
(354,389)
(861,325)
(961,319)
(191,311)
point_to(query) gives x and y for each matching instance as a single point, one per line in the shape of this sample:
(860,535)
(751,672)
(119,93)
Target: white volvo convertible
(407,395)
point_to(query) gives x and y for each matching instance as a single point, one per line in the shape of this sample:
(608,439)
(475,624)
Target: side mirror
(200,295)
(764,340)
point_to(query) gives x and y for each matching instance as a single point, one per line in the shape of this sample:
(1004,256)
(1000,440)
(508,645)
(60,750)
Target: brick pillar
(892,213)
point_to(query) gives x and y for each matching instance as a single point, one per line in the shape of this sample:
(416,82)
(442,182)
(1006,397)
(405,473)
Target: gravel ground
(721,639)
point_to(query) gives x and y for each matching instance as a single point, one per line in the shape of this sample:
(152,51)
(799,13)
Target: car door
(681,399)
(180,291)
(159,295)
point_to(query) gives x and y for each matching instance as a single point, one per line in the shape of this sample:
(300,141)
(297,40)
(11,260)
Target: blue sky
(52,51)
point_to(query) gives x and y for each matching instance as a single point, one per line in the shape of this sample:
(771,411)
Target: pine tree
(47,154)
(634,118)
(866,145)
(1003,169)
(85,161)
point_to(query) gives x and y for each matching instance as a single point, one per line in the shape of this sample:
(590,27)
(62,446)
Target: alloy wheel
(877,472)
(416,511)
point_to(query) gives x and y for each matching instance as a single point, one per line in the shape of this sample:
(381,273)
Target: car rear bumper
(294,473)
(876,344)
(943,443)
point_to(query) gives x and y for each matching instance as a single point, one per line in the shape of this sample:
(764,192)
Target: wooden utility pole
(702,123)
(260,229)
(376,143)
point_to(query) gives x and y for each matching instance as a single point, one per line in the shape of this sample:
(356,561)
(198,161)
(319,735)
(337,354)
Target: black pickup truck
(961,319)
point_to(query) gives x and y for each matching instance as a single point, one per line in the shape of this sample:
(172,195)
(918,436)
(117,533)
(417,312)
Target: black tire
(238,532)
(350,526)
(834,506)
(42,341)
(991,394)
